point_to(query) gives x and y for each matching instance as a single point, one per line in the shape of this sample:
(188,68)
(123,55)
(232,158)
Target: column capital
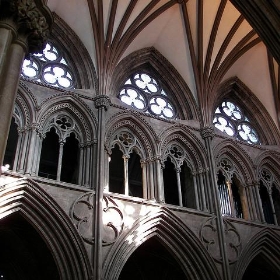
(32,20)
(207,132)
(102,101)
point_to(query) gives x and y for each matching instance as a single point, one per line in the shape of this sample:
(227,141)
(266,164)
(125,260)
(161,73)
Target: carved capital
(32,18)
(102,101)
(207,132)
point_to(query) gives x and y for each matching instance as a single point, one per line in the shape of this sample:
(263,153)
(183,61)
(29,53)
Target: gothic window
(229,118)
(10,152)
(50,68)
(270,197)
(143,92)
(229,191)
(178,179)
(60,151)
(125,171)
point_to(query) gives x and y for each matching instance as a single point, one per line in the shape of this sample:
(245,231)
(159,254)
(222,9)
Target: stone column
(101,103)
(207,134)
(178,170)
(144,178)
(125,165)
(24,27)
(60,155)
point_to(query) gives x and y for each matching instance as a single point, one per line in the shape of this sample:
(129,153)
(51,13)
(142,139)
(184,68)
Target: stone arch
(270,161)
(235,90)
(194,148)
(243,165)
(76,54)
(137,125)
(25,106)
(172,233)
(154,63)
(25,197)
(75,108)
(266,243)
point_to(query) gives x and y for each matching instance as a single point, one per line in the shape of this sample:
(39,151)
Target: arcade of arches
(129,150)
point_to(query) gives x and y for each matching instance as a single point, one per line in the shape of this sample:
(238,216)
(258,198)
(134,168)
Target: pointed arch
(194,148)
(76,108)
(155,64)
(172,233)
(235,90)
(266,243)
(271,161)
(137,125)
(238,156)
(26,105)
(26,197)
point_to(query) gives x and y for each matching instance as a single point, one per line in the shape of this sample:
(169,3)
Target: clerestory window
(50,68)
(143,92)
(229,118)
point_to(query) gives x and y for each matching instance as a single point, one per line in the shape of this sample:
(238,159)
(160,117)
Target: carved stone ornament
(208,235)
(102,101)
(33,20)
(207,132)
(82,214)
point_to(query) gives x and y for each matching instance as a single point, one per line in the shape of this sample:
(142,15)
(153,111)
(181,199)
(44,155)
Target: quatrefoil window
(176,152)
(143,92)
(64,123)
(126,139)
(229,118)
(50,67)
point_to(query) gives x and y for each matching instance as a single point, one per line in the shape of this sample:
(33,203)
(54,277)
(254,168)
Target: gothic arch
(172,233)
(243,165)
(194,147)
(266,243)
(73,106)
(235,90)
(26,197)
(26,105)
(270,161)
(154,63)
(76,54)
(138,126)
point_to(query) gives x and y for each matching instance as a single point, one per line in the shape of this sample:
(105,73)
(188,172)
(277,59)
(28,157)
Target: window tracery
(229,118)
(50,67)
(270,196)
(143,92)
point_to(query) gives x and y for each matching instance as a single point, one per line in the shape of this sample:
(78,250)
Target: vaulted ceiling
(207,41)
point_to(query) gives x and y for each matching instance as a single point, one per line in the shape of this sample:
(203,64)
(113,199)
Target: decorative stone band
(207,132)
(32,18)
(102,101)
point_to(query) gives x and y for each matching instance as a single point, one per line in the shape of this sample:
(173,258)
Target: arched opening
(266,205)
(24,255)
(170,183)
(49,155)
(261,268)
(11,147)
(236,196)
(135,175)
(187,187)
(276,203)
(116,174)
(70,160)
(152,261)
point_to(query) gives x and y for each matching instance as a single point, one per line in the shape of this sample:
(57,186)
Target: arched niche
(152,261)
(177,238)
(26,198)
(260,256)
(24,253)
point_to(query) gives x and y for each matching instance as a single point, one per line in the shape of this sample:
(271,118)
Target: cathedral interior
(139,139)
